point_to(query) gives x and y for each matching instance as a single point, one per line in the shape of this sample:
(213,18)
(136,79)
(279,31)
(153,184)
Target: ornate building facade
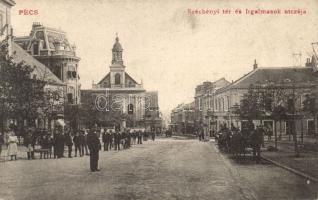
(205,104)
(51,47)
(120,100)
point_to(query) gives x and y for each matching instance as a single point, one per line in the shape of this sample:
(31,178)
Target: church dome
(117,46)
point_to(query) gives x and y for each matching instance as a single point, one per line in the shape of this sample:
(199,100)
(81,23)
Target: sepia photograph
(158,100)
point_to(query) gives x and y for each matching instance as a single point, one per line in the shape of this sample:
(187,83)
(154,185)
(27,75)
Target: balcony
(62,53)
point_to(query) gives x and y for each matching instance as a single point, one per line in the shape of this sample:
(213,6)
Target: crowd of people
(71,143)
(124,139)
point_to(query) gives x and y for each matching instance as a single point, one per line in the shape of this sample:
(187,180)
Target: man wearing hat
(94,146)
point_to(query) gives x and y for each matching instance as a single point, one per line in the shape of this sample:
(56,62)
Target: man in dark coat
(77,143)
(111,139)
(94,146)
(106,139)
(69,144)
(55,147)
(153,135)
(117,137)
(256,142)
(60,142)
(128,139)
(139,137)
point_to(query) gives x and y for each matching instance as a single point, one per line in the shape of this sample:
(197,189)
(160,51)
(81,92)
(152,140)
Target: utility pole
(294,122)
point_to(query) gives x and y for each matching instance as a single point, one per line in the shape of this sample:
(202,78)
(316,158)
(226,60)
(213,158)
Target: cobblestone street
(165,169)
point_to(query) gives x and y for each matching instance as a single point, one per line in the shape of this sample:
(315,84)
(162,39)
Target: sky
(171,50)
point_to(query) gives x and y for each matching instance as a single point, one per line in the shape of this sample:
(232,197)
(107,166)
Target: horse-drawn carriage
(236,142)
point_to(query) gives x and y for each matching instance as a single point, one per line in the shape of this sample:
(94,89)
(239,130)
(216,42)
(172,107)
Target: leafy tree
(53,104)
(252,105)
(21,94)
(279,114)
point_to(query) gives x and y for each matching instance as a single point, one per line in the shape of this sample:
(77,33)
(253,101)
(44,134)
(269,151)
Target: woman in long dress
(12,146)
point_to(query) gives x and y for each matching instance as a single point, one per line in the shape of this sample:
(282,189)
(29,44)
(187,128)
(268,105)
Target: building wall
(231,97)
(183,119)
(117,101)
(5,15)
(5,19)
(55,52)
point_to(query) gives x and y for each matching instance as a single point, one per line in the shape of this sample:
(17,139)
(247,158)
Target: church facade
(119,100)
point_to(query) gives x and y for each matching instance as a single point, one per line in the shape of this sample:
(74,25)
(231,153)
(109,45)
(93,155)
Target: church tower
(117,68)
(117,53)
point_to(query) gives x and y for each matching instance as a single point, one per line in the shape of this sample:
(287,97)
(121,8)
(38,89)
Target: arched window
(130,109)
(117,79)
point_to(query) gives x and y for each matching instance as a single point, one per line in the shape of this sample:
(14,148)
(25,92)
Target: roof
(108,75)
(103,79)
(208,85)
(51,37)
(220,82)
(117,46)
(189,106)
(276,75)
(42,72)
(10,2)
(129,77)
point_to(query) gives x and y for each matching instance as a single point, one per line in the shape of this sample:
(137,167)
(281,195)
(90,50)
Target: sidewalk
(305,165)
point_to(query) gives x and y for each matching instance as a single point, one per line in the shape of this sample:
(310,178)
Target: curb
(292,170)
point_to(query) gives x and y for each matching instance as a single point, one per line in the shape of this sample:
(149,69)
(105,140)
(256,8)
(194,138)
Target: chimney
(255,65)
(36,24)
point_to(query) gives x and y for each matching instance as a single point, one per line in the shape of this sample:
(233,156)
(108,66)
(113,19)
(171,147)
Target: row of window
(223,104)
(220,104)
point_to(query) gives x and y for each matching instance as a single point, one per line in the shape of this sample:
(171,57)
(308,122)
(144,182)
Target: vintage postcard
(158,99)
